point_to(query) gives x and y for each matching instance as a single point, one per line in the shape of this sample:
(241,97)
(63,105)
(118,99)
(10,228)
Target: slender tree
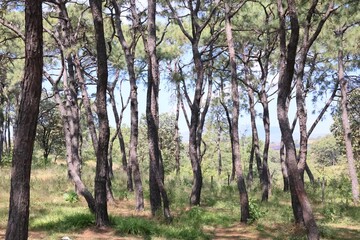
(286,73)
(198,23)
(158,193)
(129,50)
(234,129)
(102,218)
(67,102)
(345,118)
(18,221)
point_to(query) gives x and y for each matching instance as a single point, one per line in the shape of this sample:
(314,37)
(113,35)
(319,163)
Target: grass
(53,215)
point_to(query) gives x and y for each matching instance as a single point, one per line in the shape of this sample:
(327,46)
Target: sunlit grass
(52,214)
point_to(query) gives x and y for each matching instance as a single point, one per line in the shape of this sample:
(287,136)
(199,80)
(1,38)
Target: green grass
(52,213)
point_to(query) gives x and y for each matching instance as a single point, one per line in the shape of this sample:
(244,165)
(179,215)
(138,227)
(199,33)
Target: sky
(167,103)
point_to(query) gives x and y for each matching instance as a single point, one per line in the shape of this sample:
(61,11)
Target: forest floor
(53,216)
(124,208)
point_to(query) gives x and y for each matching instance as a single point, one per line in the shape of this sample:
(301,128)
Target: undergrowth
(56,210)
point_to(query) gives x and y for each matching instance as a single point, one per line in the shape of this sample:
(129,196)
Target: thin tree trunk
(254,131)
(156,183)
(234,132)
(1,131)
(218,142)
(102,218)
(118,133)
(284,167)
(346,126)
(8,123)
(18,220)
(87,104)
(129,49)
(266,184)
(177,135)
(287,62)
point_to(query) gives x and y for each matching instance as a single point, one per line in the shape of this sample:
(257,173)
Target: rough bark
(158,193)
(286,73)
(102,218)
(18,220)
(234,133)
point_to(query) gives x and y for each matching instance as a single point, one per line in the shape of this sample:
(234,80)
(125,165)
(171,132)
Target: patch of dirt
(99,234)
(236,231)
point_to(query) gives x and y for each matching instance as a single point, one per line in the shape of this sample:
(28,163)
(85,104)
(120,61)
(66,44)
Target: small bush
(255,211)
(71,197)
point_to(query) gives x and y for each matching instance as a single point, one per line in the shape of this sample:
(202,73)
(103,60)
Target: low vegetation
(57,212)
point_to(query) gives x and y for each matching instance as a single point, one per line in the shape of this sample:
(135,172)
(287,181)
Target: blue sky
(167,104)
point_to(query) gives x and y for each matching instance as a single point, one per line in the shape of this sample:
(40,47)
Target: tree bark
(177,134)
(134,121)
(102,218)
(18,221)
(218,147)
(234,132)
(158,193)
(346,125)
(265,169)
(286,73)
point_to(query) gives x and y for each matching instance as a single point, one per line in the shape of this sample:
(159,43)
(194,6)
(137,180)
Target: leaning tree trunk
(102,218)
(346,126)
(234,132)
(286,73)
(18,221)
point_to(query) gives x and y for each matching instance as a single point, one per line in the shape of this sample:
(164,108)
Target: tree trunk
(218,142)
(177,135)
(18,221)
(1,132)
(102,218)
(286,73)
(118,120)
(234,133)
(266,181)
(254,131)
(284,170)
(156,177)
(346,125)
(129,49)
(87,104)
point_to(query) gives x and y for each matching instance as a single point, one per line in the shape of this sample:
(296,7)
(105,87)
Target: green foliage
(354,120)
(255,211)
(71,197)
(325,151)
(49,132)
(167,142)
